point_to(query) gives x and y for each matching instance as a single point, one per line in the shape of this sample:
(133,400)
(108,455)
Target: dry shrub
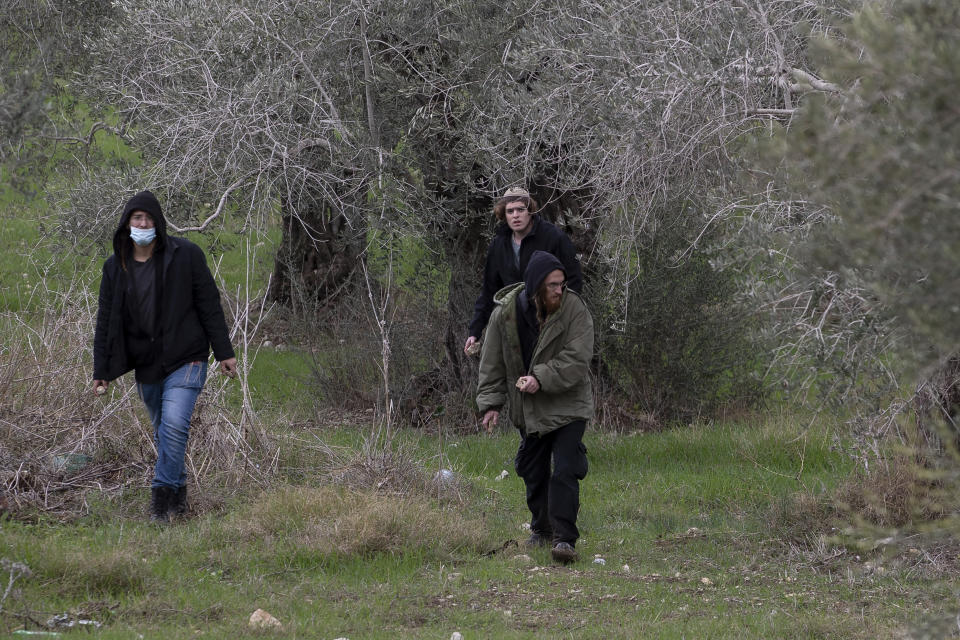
(616,416)
(936,407)
(343,364)
(58,441)
(426,390)
(897,494)
(802,516)
(337,520)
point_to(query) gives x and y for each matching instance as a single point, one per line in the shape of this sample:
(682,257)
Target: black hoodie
(188,317)
(540,266)
(143,201)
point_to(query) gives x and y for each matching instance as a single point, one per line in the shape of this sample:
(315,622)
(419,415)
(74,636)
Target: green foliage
(882,155)
(682,344)
(406,263)
(44,43)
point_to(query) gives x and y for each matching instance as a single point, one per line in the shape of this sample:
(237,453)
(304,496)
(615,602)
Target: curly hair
(499,209)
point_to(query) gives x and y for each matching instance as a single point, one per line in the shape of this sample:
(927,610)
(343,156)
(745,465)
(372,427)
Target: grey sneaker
(564,553)
(537,540)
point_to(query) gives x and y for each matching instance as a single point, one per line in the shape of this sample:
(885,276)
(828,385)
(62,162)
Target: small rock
(525,526)
(522,558)
(503,474)
(260,619)
(456,636)
(599,561)
(267,343)
(626,568)
(706,582)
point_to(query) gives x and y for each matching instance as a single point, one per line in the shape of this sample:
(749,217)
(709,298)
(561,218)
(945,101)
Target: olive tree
(879,156)
(366,122)
(43,48)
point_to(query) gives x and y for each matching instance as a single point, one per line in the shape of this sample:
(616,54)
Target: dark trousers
(554,497)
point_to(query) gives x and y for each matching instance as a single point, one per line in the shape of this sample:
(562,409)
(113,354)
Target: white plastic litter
(444,477)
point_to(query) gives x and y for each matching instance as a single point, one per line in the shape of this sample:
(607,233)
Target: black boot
(179,505)
(160,499)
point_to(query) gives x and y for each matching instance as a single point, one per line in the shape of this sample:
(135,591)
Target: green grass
(281,381)
(227,253)
(19,235)
(687,510)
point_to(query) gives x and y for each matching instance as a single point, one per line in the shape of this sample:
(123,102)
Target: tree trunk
(316,259)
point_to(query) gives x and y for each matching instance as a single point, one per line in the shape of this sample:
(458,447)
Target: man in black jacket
(159,313)
(521,233)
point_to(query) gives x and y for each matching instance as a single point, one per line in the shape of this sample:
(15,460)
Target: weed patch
(108,573)
(332,520)
(896,494)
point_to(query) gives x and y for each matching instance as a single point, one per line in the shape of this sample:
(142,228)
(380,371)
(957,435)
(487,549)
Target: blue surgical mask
(143,237)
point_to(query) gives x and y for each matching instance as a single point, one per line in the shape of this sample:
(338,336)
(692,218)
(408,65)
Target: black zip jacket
(500,269)
(189,318)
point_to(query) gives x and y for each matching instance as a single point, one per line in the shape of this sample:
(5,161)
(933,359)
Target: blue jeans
(170,405)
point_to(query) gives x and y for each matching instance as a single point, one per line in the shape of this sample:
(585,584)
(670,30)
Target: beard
(551,304)
(546,304)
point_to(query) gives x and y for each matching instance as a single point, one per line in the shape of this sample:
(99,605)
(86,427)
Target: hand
(229,367)
(528,384)
(100,387)
(468,347)
(490,420)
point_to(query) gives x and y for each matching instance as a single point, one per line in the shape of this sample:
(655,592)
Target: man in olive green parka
(535,358)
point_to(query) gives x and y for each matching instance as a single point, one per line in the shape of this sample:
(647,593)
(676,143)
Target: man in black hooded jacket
(159,313)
